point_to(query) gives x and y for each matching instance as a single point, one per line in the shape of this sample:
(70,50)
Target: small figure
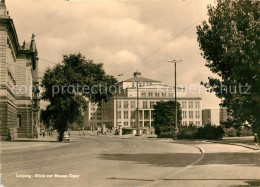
(255,138)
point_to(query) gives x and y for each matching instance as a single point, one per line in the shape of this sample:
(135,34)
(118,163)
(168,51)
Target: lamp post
(175,90)
(119,75)
(137,100)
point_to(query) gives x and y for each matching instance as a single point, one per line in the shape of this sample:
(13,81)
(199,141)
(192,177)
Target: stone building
(121,110)
(19,93)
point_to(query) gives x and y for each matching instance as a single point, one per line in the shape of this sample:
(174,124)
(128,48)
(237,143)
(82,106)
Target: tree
(230,42)
(68,85)
(164,118)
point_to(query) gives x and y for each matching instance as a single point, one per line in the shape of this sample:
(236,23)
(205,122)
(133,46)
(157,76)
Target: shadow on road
(184,159)
(163,160)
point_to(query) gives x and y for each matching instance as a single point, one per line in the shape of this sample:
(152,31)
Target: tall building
(19,93)
(132,107)
(210,116)
(223,114)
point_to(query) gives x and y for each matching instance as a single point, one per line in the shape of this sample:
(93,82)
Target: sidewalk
(52,138)
(247,142)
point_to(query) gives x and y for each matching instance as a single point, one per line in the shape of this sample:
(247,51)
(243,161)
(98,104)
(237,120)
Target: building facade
(132,107)
(210,116)
(223,114)
(19,93)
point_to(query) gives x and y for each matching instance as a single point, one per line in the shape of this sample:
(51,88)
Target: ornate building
(19,93)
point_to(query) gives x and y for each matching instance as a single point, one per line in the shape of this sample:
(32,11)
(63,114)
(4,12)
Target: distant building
(223,114)
(19,105)
(121,110)
(210,116)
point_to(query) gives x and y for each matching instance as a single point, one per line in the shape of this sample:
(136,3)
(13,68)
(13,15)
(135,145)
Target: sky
(124,35)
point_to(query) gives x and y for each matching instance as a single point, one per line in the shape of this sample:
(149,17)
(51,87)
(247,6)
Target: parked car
(66,136)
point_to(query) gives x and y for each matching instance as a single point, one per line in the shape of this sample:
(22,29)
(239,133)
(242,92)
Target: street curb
(34,141)
(255,149)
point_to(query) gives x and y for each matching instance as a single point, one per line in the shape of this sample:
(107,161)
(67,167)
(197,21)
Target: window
(157,94)
(163,94)
(146,115)
(98,118)
(183,104)
(19,121)
(197,104)
(190,114)
(132,124)
(132,114)
(197,122)
(197,114)
(184,114)
(125,114)
(119,115)
(145,104)
(190,104)
(190,122)
(170,94)
(132,104)
(150,94)
(118,104)
(125,123)
(143,94)
(125,104)
(151,104)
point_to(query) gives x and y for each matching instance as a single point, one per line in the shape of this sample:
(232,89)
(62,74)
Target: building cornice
(11,30)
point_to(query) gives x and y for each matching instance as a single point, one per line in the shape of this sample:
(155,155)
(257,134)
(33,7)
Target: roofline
(141,81)
(9,22)
(158,98)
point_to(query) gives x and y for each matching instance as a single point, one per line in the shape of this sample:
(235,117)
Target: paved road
(107,161)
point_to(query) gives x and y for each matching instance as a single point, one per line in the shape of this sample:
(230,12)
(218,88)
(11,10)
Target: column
(142,118)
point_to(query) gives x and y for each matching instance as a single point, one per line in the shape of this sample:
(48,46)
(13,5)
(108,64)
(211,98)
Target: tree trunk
(61,135)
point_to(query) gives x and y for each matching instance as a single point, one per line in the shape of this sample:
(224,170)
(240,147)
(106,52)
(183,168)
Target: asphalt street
(132,161)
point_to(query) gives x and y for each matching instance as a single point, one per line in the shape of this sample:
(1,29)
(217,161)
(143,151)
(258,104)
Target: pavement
(128,161)
(247,142)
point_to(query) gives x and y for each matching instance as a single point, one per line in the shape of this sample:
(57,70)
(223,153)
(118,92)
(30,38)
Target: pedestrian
(255,138)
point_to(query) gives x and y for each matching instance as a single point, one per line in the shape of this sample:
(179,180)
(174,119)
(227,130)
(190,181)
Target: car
(66,137)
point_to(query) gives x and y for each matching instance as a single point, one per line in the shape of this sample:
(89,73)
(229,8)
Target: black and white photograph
(129,93)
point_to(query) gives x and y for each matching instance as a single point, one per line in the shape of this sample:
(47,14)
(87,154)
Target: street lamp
(119,75)
(137,98)
(175,90)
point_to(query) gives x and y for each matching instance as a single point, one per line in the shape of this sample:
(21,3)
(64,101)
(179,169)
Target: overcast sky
(123,35)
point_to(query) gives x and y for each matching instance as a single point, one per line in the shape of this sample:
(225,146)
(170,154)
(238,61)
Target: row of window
(125,115)
(191,114)
(97,114)
(190,123)
(184,104)
(145,104)
(133,104)
(94,109)
(156,94)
